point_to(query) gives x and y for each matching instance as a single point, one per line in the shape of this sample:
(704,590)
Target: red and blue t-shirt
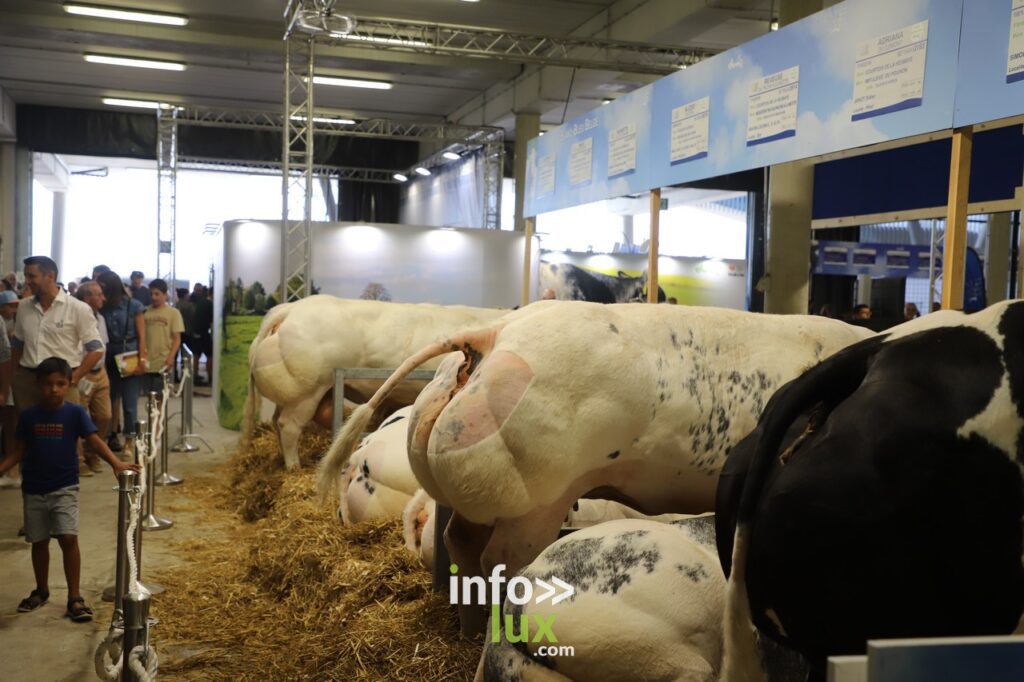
(50,439)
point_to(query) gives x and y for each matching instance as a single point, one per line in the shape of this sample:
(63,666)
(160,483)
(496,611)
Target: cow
(880,495)
(377,482)
(647,604)
(563,400)
(573,283)
(299,345)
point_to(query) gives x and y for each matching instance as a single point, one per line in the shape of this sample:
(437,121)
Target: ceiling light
(129,61)
(324,119)
(451,156)
(605,102)
(137,103)
(352,83)
(401,177)
(407,42)
(125,14)
(470,0)
(420,170)
(774,25)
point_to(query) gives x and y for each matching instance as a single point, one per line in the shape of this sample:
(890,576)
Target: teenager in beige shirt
(164,327)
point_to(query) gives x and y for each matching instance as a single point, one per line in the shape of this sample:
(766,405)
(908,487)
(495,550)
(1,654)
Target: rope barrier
(145,672)
(110,646)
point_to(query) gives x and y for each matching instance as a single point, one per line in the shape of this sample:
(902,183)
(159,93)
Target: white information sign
(581,156)
(546,175)
(689,136)
(1015,60)
(622,150)
(889,72)
(772,107)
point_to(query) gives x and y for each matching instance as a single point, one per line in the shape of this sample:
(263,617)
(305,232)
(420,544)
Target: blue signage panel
(857,73)
(600,155)
(990,75)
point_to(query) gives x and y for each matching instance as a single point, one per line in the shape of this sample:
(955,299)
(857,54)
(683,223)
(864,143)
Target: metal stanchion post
(183,444)
(136,630)
(151,521)
(165,477)
(142,431)
(126,486)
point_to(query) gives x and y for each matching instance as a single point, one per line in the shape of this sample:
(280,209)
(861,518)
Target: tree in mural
(255,293)
(375,291)
(233,296)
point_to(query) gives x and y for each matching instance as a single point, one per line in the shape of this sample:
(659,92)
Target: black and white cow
(573,283)
(880,495)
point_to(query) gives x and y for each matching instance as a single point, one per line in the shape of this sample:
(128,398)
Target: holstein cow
(880,495)
(563,400)
(573,283)
(299,345)
(647,605)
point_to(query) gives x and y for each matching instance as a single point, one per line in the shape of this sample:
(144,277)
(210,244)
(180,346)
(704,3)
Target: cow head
(634,289)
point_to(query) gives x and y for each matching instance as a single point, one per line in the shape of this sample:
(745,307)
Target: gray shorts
(52,514)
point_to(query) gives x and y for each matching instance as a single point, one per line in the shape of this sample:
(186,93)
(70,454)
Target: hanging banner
(581,162)
(772,107)
(689,133)
(1015,59)
(622,150)
(889,72)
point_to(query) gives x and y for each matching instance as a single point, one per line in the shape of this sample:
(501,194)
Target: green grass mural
(234,368)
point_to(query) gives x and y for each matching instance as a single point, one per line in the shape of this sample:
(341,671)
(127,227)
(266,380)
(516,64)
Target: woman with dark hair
(126,328)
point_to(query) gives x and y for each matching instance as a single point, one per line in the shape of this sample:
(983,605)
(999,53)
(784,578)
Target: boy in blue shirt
(47,438)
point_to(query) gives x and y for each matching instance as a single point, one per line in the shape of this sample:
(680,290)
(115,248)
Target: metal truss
(201,163)
(297,168)
(418,131)
(316,17)
(167,180)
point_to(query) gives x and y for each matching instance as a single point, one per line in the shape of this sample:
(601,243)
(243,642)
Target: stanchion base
(167,479)
(154,522)
(154,588)
(184,446)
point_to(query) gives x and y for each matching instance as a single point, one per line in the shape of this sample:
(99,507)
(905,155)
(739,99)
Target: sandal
(33,601)
(78,611)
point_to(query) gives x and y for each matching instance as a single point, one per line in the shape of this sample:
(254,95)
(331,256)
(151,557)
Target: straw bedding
(292,595)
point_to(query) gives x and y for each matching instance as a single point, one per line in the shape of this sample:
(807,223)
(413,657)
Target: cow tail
(271,321)
(249,414)
(830,381)
(348,438)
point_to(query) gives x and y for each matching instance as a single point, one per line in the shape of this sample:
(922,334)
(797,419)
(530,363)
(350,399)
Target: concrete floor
(43,645)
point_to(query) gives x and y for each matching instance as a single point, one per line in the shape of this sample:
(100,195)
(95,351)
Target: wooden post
(527,257)
(652,250)
(954,253)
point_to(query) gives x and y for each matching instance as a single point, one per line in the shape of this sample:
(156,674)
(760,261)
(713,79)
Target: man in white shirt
(51,324)
(94,387)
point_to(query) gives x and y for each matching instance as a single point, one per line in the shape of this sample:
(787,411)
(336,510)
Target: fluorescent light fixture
(125,14)
(130,61)
(324,119)
(401,177)
(407,42)
(470,0)
(138,103)
(420,170)
(352,83)
(774,25)
(451,156)
(605,102)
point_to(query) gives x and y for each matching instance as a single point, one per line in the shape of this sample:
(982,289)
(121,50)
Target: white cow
(647,605)
(563,400)
(378,482)
(299,345)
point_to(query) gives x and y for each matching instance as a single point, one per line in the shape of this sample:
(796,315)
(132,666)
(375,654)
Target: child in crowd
(46,440)
(164,326)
